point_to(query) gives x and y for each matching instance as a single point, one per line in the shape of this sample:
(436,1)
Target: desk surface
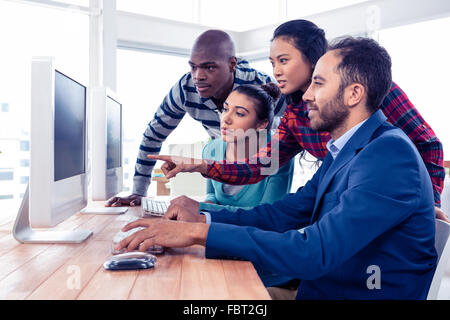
(75,271)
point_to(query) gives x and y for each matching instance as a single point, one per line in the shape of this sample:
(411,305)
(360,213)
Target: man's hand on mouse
(163,232)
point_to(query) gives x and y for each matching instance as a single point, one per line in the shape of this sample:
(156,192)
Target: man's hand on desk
(131,200)
(180,213)
(163,232)
(184,202)
(441,214)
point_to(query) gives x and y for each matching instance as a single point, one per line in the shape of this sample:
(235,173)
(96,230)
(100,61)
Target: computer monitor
(106,142)
(58,156)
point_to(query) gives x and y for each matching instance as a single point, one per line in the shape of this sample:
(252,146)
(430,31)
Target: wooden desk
(75,271)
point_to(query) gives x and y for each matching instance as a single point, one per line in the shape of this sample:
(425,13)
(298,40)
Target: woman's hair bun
(272,90)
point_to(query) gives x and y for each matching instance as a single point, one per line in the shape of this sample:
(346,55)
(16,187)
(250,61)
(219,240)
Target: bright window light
(180,10)
(420,66)
(32,31)
(233,15)
(143,80)
(82,3)
(238,15)
(303,8)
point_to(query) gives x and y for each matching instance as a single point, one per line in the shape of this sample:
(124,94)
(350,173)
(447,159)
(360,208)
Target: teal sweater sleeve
(210,196)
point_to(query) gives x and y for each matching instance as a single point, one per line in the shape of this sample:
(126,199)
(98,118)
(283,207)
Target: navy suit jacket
(362,228)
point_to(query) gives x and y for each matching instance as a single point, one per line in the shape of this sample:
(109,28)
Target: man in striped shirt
(215,72)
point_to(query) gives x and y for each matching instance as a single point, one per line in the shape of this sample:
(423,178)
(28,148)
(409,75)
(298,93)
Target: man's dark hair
(308,38)
(364,61)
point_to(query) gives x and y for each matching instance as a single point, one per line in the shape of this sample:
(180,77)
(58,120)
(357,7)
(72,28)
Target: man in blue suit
(362,227)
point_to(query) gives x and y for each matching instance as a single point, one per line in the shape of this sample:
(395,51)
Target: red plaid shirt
(295,135)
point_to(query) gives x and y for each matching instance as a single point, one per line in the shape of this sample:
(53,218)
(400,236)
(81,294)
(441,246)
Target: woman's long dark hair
(310,40)
(306,37)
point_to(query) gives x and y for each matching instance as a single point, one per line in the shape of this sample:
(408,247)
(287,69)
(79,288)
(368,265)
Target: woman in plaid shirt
(296,47)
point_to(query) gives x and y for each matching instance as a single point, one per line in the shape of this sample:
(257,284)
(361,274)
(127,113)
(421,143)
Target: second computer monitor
(106,139)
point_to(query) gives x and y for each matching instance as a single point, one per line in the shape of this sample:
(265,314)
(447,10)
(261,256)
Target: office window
(6,175)
(231,15)
(238,15)
(180,10)
(24,180)
(24,163)
(83,3)
(5,107)
(143,80)
(24,145)
(299,9)
(29,30)
(420,66)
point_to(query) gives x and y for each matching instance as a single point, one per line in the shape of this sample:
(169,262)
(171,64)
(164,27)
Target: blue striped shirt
(183,98)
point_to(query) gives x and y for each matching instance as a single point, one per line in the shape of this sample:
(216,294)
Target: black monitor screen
(70,123)
(114,134)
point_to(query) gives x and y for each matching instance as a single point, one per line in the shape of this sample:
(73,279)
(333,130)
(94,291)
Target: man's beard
(331,116)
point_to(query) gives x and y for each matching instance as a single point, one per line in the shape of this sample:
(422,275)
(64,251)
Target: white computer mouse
(133,255)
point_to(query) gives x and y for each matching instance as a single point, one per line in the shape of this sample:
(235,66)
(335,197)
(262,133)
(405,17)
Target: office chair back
(442,245)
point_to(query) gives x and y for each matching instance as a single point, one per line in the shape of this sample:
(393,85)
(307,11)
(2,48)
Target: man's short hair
(364,61)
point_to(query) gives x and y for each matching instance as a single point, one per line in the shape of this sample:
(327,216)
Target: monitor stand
(23,232)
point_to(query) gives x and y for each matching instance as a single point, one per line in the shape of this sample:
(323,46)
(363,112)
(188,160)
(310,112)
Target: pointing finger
(159,157)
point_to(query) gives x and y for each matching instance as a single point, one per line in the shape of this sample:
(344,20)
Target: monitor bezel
(51,202)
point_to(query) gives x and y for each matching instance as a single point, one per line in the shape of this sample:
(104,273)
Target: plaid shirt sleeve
(295,135)
(252,171)
(292,136)
(401,112)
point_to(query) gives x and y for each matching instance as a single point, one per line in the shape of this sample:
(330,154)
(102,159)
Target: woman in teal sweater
(245,116)
(222,196)
(247,110)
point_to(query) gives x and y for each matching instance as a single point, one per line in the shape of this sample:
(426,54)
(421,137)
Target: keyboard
(122,235)
(154,207)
